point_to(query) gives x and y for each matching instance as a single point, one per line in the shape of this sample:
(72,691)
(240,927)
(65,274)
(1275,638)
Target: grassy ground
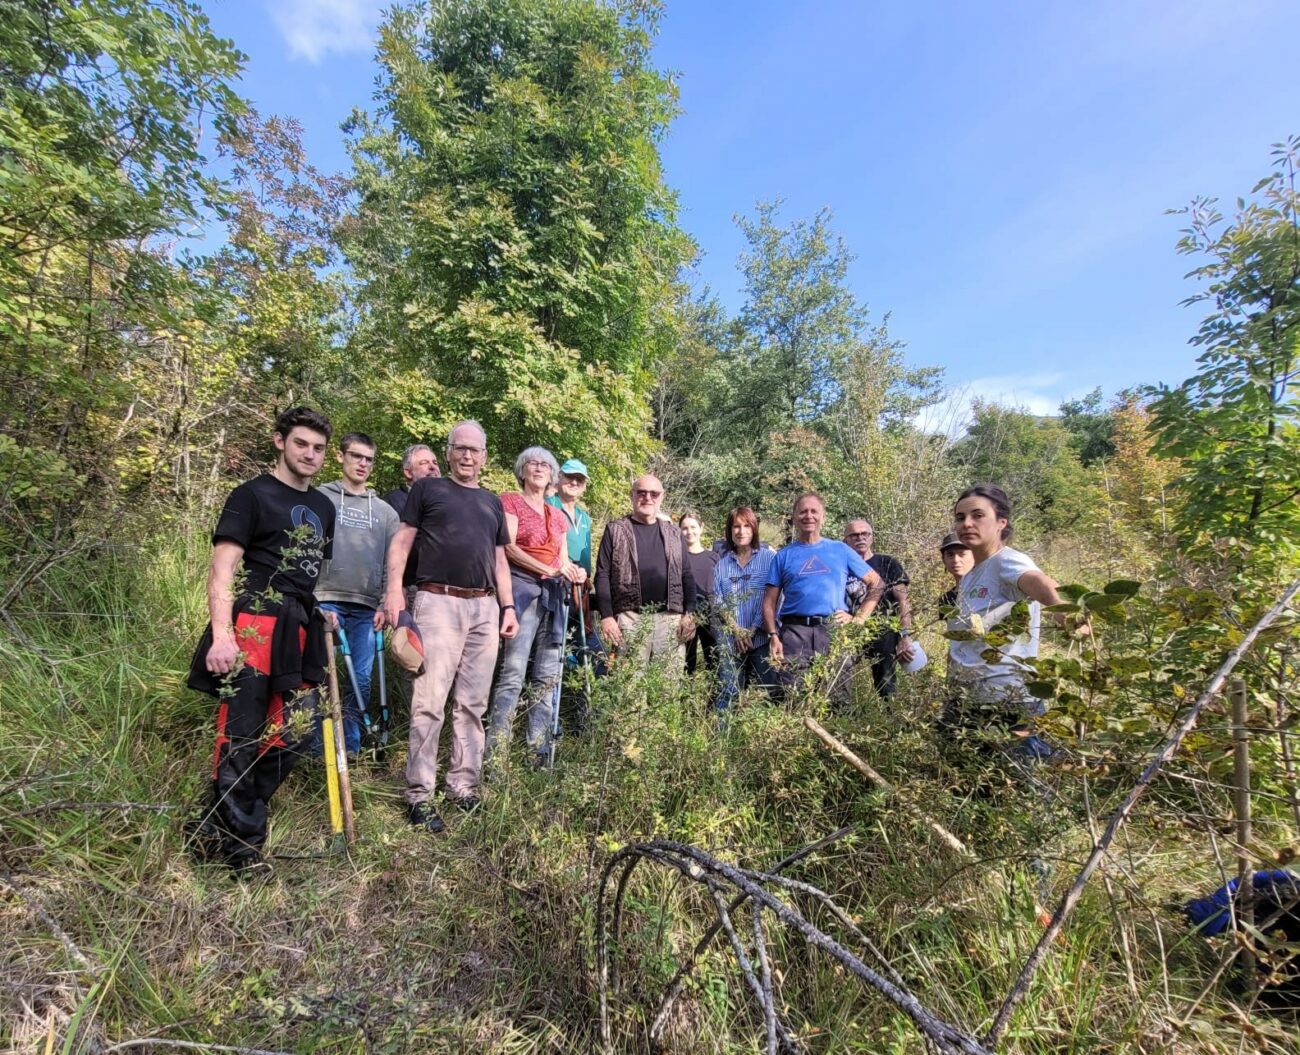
(481,940)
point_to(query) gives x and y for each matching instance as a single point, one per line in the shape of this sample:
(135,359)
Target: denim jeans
(358,622)
(739,670)
(532,642)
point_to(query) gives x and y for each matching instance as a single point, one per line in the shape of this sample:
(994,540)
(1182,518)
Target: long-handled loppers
(383,693)
(362,704)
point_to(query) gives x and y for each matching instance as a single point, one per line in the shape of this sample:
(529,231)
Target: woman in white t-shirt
(1000,578)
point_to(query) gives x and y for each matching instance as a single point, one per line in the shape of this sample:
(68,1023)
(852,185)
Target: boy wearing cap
(958,560)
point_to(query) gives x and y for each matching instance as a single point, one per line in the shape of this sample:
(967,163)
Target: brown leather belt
(453,591)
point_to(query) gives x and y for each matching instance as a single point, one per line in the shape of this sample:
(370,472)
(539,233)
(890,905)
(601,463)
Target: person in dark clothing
(957,560)
(703,561)
(643,570)
(263,654)
(418,461)
(894,642)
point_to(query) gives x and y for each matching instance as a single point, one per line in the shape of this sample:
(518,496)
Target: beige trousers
(461,638)
(658,641)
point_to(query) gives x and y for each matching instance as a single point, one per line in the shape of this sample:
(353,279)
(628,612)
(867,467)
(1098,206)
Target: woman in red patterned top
(541,573)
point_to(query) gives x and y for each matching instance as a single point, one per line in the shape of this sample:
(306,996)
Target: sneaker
(422,815)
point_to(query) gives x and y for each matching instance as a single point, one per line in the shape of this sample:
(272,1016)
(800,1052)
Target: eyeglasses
(463,448)
(364,459)
(537,463)
(638,493)
(575,478)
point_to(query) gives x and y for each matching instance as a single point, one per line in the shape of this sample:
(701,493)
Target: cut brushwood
(947,837)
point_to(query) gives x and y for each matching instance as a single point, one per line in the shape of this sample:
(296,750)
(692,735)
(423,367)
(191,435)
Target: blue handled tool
(352,676)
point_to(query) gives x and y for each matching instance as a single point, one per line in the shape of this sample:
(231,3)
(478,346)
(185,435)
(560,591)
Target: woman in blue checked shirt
(738,582)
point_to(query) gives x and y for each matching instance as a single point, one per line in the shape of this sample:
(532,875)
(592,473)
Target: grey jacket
(363,528)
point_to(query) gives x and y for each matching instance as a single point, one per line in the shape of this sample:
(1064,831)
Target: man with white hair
(463,606)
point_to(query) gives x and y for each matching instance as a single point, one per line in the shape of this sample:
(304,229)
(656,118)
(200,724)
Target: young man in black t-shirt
(263,654)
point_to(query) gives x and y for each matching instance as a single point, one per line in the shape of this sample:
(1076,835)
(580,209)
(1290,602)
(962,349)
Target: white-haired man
(463,606)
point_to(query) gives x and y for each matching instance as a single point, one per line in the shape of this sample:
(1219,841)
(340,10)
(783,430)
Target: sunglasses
(647,494)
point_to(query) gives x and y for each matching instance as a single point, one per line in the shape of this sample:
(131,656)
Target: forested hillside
(174,272)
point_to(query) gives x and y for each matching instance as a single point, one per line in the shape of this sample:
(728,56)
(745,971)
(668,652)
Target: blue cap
(574,467)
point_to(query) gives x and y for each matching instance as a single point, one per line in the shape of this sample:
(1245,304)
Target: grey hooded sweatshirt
(363,528)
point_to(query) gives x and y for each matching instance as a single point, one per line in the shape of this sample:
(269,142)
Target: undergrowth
(481,940)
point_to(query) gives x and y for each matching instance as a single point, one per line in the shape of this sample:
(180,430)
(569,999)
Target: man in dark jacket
(643,573)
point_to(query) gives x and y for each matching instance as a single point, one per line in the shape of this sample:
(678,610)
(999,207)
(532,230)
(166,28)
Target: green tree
(1034,459)
(802,389)
(514,239)
(101,106)
(1235,424)
(1091,425)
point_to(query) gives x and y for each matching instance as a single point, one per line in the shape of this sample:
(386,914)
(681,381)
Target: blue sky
(1000,169)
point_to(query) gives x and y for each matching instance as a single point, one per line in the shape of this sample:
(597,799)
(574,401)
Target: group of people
(502,589)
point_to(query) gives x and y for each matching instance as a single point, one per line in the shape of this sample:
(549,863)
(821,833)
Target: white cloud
(314,28)
(1040,394)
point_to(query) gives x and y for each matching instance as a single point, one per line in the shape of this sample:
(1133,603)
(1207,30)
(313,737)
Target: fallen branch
(37,910)
(1121,814)
(675,986)
(188,1045)
(56,807)
(702,867)
(949,840)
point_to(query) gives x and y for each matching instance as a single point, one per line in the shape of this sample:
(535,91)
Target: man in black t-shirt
(263,654)
(463,606)
(895,641)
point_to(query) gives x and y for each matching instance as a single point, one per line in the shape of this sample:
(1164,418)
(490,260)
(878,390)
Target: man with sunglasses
(643,572)
(351,585)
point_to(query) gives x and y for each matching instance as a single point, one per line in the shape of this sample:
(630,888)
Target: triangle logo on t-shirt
(813,566)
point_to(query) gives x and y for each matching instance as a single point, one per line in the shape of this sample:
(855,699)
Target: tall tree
(802,389)
(1034,458)
(514,238)
(1235,424)
(102,103)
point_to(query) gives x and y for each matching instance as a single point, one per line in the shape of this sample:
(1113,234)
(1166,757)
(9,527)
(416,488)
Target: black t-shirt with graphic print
(286,534)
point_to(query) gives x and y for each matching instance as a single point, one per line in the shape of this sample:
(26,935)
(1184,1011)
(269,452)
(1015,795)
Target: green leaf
(1123,588)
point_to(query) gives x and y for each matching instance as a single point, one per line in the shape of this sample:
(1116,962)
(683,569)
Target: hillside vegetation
(549,297)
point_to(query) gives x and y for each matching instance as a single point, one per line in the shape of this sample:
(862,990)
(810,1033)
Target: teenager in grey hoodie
(352,583)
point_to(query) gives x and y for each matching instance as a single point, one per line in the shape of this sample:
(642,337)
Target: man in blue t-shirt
(809,577)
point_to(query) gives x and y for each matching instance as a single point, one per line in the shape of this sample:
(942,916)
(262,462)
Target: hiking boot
(422,815)
(464,803)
